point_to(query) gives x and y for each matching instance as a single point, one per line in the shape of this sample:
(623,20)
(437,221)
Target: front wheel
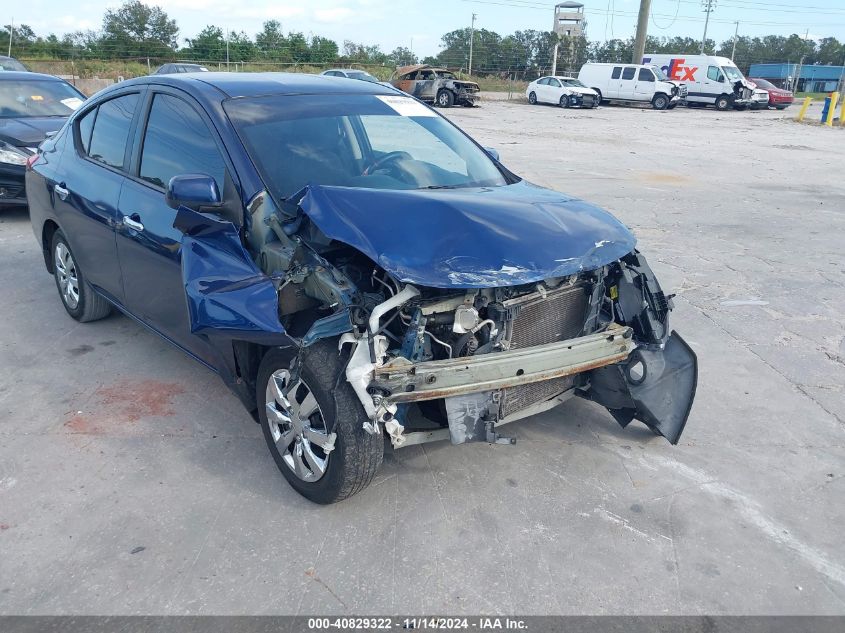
(78,298)
(532,98)
(564,101)
(313,424)
(660,102)
(723,103)
(445,99)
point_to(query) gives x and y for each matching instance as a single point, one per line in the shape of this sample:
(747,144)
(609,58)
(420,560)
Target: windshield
(362,76)
(21,99)
(658,72)
(445,74)
(366,141)
(573,83)
(733,73)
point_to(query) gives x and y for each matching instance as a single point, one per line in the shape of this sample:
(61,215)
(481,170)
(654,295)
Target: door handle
(61,191)
(133,222)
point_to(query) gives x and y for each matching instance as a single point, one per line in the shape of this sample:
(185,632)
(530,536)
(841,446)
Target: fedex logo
(677,69)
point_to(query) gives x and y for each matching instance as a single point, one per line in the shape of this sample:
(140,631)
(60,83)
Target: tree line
(138,31)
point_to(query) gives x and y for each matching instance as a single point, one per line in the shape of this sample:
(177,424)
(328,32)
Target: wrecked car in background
(352,265)
(435,85)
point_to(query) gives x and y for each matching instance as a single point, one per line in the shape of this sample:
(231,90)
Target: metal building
(806,78)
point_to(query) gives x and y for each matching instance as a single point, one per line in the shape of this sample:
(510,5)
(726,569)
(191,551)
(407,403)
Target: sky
(418,24)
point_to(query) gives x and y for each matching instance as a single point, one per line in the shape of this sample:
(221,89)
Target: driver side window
(554,83)
(715,74)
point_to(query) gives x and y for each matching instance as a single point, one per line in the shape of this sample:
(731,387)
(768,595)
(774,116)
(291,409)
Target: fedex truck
(710,80)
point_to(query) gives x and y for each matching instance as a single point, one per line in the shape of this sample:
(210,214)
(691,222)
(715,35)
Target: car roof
(11,75)
(260,84)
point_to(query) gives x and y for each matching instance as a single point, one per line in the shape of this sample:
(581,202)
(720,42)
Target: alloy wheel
(67,276)
(298,426)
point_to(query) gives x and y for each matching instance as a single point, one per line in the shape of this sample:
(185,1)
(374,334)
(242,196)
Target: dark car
(31,107)
(779,98)
(352,265)
(171,69)
(11,64)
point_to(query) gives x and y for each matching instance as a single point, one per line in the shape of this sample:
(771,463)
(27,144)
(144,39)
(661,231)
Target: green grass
(817,96)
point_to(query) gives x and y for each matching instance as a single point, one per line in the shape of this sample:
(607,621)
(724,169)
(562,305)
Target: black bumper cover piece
(655,386)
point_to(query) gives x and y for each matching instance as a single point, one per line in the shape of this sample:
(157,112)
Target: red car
(778,97)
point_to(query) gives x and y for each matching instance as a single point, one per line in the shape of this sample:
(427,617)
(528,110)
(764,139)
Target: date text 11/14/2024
(416,623)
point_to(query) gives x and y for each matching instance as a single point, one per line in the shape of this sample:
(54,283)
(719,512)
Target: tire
(564,101)
(445,99)
(723,102)
(532,98)
(599,99)
(660,102)
(356,456)
(781,107)
(78,298)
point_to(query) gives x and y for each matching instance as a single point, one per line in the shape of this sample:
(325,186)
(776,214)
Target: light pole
(736,33)
(709,5)
(11,33)
(471,38)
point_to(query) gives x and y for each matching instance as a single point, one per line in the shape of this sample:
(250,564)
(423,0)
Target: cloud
(333,15)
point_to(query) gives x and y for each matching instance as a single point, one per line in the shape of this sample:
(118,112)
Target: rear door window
(111,130)
(177,141)
(628,73)
(617,70)
(86,126)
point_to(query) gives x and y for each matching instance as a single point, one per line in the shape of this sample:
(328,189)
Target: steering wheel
(381,161)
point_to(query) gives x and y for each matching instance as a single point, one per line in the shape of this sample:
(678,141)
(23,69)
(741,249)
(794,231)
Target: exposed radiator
(560,316)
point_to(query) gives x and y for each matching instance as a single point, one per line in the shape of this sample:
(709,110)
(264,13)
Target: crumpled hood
(581,91)
(470,238)
(28,132)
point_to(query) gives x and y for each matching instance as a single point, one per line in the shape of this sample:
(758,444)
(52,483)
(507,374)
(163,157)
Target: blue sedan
(352,265)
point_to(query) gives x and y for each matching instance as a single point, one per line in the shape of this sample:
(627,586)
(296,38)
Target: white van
(710,80)
(641,83)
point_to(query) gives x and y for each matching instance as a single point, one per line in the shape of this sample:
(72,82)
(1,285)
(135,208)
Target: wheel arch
(48,230)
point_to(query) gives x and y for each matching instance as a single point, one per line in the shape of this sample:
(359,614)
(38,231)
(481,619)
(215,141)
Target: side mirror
(194,191)
(494,154)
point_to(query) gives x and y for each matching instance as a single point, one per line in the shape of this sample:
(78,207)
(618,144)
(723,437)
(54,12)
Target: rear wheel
(445,99)
(78,298)
(313,424)
(723,102)
(660,102)
(532,98)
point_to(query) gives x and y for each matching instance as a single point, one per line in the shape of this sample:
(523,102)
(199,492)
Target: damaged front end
(456,349)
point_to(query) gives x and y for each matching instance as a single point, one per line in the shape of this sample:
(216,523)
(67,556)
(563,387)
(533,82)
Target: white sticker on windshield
(406,106)
(72,102)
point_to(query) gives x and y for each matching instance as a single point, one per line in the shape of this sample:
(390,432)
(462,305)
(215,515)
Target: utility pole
(709,6)
(554,60)
(11,33)
(471,38)
(227,50)
(736,33)
(642,31)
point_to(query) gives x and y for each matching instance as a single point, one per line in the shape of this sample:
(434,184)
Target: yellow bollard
(807,101)
(834,97)
(842,114)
